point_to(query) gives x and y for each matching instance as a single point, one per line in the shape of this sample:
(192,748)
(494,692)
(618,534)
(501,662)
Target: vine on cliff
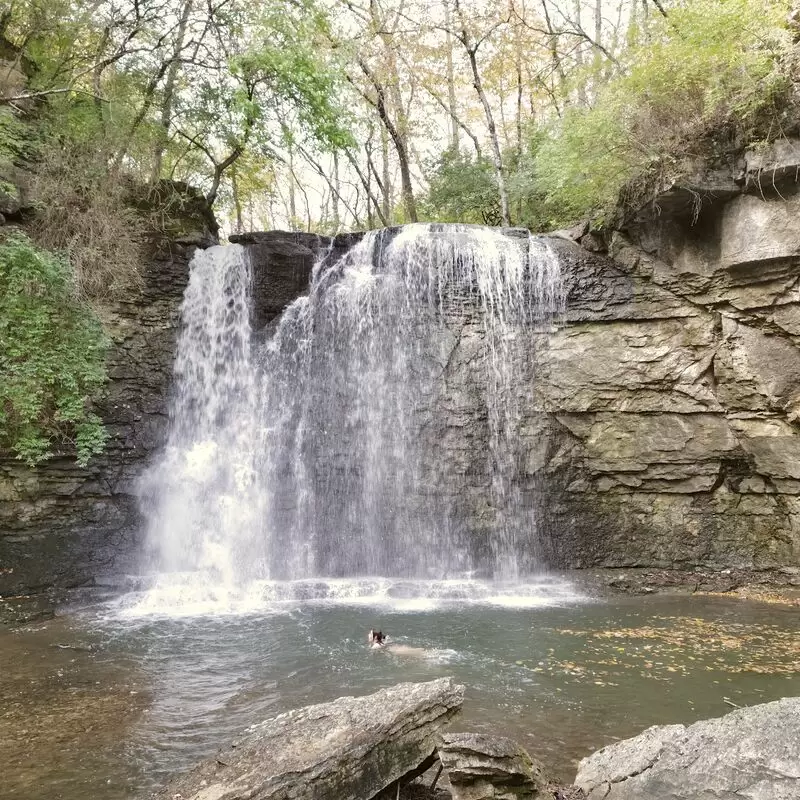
(52,356)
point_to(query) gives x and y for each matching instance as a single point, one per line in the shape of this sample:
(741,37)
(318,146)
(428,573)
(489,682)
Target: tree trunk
(292,199)
(237,202)
(451,82)
(379,103)
(336,193)
(555,60)
(497,154)
(597,64)
(385,179)
(169,93)
(582,99)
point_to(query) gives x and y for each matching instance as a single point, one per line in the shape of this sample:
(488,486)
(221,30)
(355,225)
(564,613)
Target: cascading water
(377,432)
(202,498)
(354,380)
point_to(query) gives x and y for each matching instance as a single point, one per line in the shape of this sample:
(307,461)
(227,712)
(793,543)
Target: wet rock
(349,749)
(282,263)
(482,767)
(750,753)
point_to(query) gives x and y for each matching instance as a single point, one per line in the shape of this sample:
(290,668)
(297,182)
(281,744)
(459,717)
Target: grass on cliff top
(708,66)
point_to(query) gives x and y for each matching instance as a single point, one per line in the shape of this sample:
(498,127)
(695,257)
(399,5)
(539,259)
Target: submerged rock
(482,767)
(349,749)
(752,753)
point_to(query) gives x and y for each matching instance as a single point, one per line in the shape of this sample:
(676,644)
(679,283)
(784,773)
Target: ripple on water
(563,679)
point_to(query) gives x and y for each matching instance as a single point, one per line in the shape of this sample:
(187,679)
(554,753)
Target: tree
(471,43)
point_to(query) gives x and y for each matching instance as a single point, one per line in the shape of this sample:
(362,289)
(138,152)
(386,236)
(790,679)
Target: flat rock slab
(349,749)
(483,767)
(749,754)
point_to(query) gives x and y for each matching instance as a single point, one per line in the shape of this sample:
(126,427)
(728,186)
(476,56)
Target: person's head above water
(376,637)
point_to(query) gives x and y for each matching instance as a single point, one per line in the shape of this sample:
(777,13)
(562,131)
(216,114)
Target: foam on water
(198,595)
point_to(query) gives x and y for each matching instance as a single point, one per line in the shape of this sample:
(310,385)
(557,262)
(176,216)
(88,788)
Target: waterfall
(202,498)
(379,429)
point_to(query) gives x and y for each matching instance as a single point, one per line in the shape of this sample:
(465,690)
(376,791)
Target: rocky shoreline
(392,744)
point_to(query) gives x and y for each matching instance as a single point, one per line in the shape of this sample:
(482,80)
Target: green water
(95,706)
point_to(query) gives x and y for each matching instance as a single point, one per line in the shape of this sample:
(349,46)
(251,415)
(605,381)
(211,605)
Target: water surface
(97,703)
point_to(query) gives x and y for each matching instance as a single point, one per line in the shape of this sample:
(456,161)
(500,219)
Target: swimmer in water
(376,639)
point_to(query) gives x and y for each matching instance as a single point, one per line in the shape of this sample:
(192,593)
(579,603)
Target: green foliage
(711,62)
(52,352)
(285,58)
(14,136)
(462,188)
(166,89)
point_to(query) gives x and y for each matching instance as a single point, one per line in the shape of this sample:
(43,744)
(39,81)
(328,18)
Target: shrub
(52,352)
(84,210)
(462,189)
(710,63)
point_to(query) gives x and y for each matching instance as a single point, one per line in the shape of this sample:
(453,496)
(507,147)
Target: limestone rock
(751,753)
(483,767)
(632,366)
(349,749)
(756,371)
(755,229)
(773,165)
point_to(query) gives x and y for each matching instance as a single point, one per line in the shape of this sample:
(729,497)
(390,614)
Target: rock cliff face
(673,391)
(63,525)
(660,421)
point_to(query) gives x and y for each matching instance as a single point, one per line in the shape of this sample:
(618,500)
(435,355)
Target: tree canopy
(329,114)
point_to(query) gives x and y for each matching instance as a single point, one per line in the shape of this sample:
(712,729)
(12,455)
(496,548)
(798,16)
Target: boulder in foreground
(749,754)
(349,749)
(481,767)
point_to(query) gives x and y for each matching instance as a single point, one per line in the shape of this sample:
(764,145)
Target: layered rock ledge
(660,421)
(349,749)
(751,753)
(672,392)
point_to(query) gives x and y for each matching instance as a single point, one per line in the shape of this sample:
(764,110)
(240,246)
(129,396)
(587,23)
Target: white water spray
(325,453)
(202,498)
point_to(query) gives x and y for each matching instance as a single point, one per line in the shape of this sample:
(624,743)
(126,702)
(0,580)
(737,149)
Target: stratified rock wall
(674,389)
(660,421)
(63,525)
